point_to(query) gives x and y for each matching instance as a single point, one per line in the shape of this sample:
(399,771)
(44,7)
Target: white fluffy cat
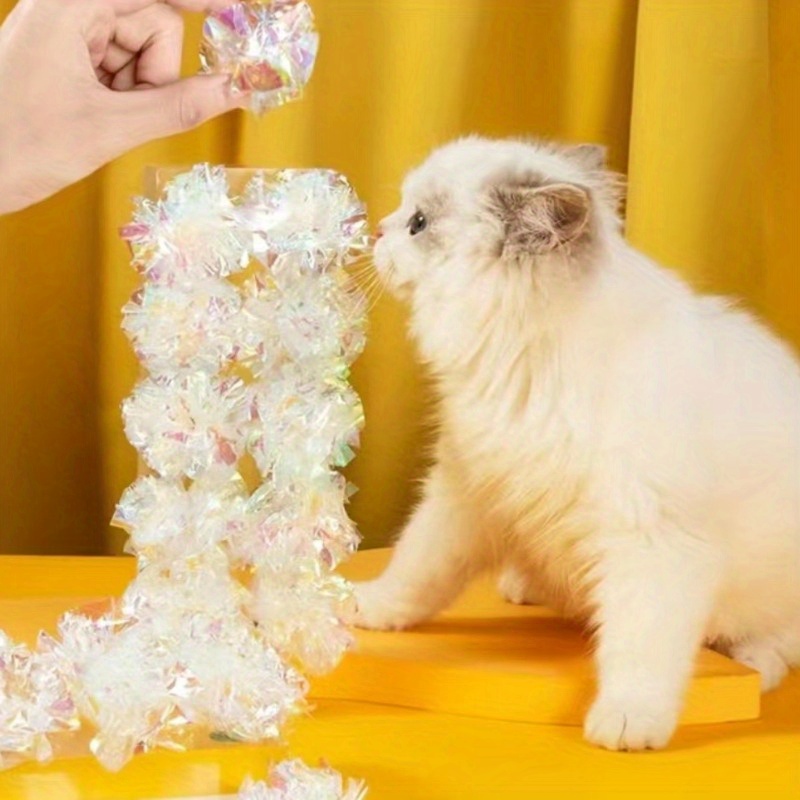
(623,448)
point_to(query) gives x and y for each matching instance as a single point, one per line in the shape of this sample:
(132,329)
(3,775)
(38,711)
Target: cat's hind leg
(763,657)
(771,656)
(518,586)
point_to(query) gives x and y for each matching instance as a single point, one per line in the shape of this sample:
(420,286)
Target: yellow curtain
(696,99)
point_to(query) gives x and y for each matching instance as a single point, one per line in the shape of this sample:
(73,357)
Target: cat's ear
(538,219)
(591,157)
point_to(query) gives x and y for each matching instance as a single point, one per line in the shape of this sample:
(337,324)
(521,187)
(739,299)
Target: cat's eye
(417,223)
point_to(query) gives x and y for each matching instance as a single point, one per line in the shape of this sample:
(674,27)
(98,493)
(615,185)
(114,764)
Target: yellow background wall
(696,99)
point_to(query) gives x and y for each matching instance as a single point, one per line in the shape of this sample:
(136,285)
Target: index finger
(129,6)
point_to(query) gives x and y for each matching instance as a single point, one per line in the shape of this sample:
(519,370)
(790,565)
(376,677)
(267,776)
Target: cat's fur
(623,448)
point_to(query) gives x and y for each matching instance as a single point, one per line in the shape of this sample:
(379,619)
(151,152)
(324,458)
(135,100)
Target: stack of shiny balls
(246,323)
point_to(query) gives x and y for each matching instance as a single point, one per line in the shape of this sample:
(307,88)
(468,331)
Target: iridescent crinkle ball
(303,424)
(35,701)
(268,47)
(188,424)
(314,322)
(314,508)
(178,651)
(191,232)
(305,211)
(294,780)
(167,521)
(303,611)
(174,327)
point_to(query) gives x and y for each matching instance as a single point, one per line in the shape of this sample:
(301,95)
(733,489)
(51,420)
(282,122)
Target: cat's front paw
(379,609)
(629,724)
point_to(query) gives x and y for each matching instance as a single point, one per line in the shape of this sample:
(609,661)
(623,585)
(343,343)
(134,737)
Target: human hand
(83,81)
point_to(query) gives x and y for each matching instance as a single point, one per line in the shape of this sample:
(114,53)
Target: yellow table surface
(487,658)
(405,753)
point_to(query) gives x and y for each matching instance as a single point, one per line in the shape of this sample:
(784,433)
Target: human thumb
(149,114)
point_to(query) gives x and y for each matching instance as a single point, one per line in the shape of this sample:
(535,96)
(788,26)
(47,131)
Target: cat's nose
(379,233)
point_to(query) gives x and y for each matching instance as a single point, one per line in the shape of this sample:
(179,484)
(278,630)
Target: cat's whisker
(360,275)
(366,283)
(377,295)
(371,286)
(359,267)
(364,278)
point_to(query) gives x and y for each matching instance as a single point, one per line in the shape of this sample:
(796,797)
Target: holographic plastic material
(235,600)
(268,47)
(35,701)
(293,780)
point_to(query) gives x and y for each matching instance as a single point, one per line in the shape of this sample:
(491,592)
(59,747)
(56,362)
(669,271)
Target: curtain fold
(696,100)
(699,141)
